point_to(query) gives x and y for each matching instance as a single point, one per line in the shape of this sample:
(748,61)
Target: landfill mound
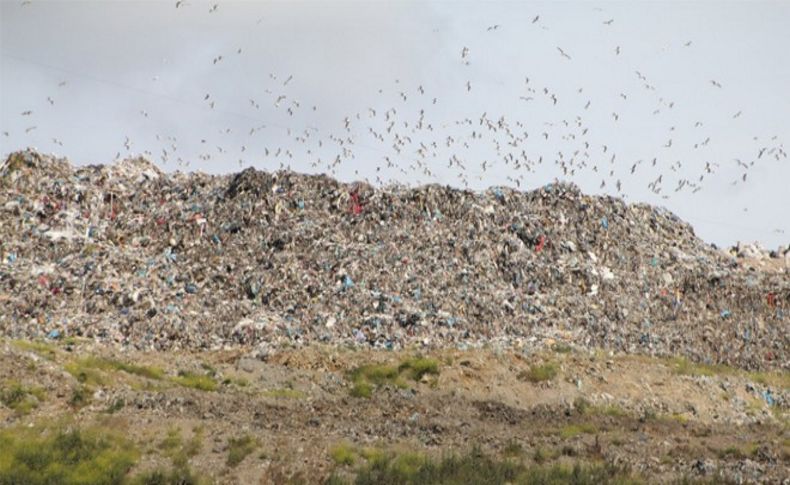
(131,255)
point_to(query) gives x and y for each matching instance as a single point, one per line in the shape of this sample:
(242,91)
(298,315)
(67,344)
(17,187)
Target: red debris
(356,205)
(541,243)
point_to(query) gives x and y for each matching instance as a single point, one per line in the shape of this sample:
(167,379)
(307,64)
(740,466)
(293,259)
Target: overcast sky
(653,95)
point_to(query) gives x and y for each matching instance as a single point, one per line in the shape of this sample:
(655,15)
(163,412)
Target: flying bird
(563,53)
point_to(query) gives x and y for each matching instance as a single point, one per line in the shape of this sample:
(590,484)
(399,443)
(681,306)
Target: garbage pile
(131,255)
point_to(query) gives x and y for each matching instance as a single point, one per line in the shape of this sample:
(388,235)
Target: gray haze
(140,71)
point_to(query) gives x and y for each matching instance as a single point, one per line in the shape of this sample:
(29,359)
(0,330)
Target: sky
(678,104)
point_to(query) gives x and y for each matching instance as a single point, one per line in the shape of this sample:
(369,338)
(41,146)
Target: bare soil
(664,419)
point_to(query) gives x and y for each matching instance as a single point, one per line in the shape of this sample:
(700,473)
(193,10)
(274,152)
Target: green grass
(86,374)
(80,396)
(573,430)
(733,452)
(21,399)
(175,476)
(513,449)
(239,448)
(179,451)
(561,348)
(42,349)
(238,382)
(196,381)
(584,407)
(683,366)
(417,367)
(91,370)
(476,468)
(116,406)
(541,456)
(611,410)
(343,454)
(368,377)
(777,379)
(63,456)
(540,373)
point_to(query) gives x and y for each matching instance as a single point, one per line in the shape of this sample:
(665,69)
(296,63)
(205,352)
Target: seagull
(609,22)
(715,83)
(464,53)
(213,8)
(562,52)
(536,18)
(493,27)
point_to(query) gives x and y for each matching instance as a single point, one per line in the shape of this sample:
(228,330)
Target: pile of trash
(132,255)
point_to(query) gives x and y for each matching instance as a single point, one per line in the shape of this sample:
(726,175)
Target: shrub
(475,468)
(540,373)
(343,454)
(418,367)
(239,448)
(367,377)
(40,456)
(196,381)
(20,398)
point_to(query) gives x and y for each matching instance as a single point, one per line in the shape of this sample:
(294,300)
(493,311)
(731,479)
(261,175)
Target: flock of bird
(400,140)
